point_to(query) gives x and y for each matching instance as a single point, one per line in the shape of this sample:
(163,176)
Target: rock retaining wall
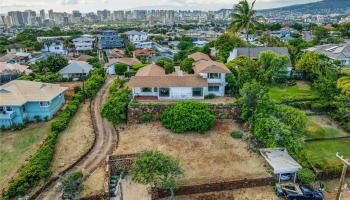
(137,110)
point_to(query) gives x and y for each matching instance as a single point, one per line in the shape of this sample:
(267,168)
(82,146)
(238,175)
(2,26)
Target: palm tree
(245,18)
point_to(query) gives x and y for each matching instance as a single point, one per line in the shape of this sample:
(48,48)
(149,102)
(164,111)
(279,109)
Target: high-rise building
(76,13)
(51,14)
(16,18)
(118,15)
(42,14)
(104,15)
(29,17)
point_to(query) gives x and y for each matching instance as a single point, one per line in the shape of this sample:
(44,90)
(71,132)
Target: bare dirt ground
(70,91)
(211,157)
(257,193)
(93,185)
(105,142)
(132,190)
(74,141)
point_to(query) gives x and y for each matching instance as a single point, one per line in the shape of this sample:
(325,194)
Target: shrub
(146,117)
(293,117)
(115,109)
(210,96)
(188,116)
(236,134)
(306,176)
(120,68)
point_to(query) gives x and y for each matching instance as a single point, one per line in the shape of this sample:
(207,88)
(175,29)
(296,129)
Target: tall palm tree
(245,18)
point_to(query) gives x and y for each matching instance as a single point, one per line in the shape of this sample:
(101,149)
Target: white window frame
(41,103)
(214,86)
(211,74)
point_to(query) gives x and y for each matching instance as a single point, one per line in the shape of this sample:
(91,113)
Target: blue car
(295,192)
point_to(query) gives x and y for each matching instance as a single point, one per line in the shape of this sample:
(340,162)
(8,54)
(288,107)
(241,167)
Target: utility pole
(346,164)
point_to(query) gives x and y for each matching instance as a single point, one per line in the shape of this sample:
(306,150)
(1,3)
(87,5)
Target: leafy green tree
(53,63)
(183,45)
(254,97)
(120,68)
(93,60)
(157,169)
(226,43)
(293,117)
(71,185)
(186,65)
(115,108)
(158,38)
(297,26)
(270,40)
(245,18)
(326,85)
(344,29)
(312,62)
(188,116)
(343,83)
(167,64)
(320,34)
(272,64)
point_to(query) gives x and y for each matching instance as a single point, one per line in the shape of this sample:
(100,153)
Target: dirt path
(105,142)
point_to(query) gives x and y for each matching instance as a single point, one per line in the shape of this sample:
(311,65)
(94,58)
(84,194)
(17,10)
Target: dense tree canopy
(186,65)
(167,64)
(53,63)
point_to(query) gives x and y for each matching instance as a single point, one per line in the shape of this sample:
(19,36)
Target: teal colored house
(22,101)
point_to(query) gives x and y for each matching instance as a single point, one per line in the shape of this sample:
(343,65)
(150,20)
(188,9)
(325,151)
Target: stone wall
(137,110)
(121,163)
(158,193)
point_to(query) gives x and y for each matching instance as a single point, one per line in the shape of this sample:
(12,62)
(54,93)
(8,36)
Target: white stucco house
(151,81)
(83,44)
(136,36)
(53,44)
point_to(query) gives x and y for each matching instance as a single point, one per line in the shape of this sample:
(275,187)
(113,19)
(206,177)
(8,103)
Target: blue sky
(93,5)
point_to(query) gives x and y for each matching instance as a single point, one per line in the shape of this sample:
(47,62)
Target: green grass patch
(323,127)
(236,134)
(322,154)
(301,90)
(17,146)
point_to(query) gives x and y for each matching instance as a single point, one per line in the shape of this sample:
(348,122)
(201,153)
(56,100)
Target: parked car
(291,191)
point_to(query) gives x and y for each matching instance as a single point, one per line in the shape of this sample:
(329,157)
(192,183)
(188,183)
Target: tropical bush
(167,64)
(146,117)
(306,176)
(236,134)
(120,68)
(188,116)
(115,108)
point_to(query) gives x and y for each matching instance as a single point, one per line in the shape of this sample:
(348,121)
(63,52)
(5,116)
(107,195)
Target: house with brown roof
(130,62)
(152,82)
(9,72)
(143,52)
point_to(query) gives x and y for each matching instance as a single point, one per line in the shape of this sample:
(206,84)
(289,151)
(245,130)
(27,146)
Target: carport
(282,163)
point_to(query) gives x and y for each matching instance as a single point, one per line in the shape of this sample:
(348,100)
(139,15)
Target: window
(197,92)
(2,109)
(214,76)
(44,103)
(147,89)
(155,89)
(213,88)
(8,108)
(164,92)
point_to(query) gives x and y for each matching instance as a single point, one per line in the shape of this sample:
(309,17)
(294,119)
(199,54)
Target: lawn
(212,157)
(323,127)
(322,153)
(17,146)
(302,90)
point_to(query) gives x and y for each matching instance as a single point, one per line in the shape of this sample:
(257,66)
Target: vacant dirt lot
(211,157)
(74,141)
(94,184)
(258,193)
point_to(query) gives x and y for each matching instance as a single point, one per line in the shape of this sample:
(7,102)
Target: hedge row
(38,167)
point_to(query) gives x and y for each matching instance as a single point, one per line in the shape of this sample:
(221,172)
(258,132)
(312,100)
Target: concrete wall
(136,110)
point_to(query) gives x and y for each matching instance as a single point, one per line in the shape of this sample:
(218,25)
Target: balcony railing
(7,115)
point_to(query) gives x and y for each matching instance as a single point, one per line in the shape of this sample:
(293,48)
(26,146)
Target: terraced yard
(212,157)
(323,127)
(302,90)
(17,146)
(322,153)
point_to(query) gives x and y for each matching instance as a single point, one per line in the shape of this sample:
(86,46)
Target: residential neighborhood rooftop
(280,160)
(334,51)
(6,68)
(199,56)
(18,92)
(76,67)
(209,66)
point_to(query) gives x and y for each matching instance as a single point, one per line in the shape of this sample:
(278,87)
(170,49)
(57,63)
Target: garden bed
(300,91)
(209,158)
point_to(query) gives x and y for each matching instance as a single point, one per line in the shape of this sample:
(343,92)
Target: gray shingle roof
(254,52)
(334,51)
(76,67)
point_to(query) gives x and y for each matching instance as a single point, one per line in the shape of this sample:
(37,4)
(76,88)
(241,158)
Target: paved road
(105,142)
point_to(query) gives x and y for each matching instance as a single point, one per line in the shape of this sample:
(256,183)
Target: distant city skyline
(94,5)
